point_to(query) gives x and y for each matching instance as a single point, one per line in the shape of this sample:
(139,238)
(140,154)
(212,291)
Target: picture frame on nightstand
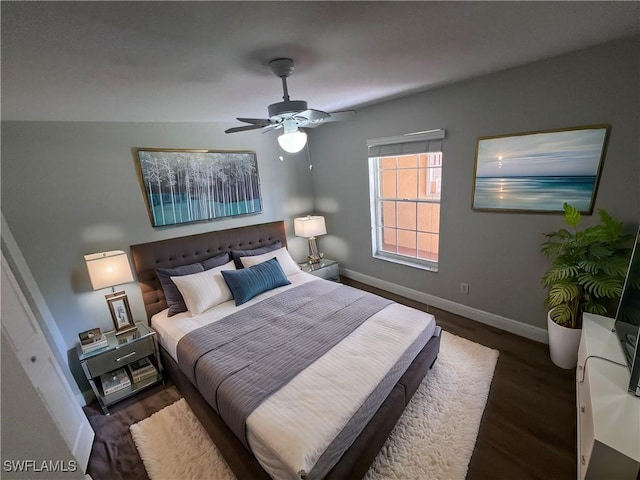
(120,312)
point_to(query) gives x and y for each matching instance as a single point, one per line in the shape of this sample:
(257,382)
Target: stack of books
(92,340)
(114,381)
(141,369)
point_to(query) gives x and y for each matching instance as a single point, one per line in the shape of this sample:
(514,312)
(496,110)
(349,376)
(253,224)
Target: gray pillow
(237,254)
(216,261)
(175,302)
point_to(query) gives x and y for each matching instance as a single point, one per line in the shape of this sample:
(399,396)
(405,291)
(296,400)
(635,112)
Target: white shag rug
(434,438)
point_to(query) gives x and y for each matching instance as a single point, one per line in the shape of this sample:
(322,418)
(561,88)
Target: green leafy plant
(588,268)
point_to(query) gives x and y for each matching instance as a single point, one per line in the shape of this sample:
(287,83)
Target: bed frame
(196,248)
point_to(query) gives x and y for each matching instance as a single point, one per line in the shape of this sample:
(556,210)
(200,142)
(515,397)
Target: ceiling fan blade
(332,117)
(255,121)
(243,128)
(273,126)
(312,115)
(340,116)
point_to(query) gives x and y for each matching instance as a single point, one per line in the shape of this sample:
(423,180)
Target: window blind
(430,141)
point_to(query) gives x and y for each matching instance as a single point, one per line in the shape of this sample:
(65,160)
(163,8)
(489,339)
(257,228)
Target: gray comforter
(239,361)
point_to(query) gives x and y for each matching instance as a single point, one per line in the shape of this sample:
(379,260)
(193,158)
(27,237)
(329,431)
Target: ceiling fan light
(292,142)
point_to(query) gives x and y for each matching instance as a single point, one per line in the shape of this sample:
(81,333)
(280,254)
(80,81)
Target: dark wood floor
(528,429)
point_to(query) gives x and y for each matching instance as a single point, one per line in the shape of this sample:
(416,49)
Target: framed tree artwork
(184,186)
(539,171)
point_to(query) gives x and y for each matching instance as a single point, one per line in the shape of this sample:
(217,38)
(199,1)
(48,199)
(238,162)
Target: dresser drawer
(120,357)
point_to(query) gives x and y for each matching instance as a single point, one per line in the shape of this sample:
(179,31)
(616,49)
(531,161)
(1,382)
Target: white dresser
(608,415)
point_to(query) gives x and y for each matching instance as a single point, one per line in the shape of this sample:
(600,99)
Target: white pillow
(289,266)
(204,290)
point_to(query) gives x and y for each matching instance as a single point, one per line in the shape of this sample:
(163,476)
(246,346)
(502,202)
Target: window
(405,181)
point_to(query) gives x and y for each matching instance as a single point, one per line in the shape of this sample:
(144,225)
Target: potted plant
(586,275)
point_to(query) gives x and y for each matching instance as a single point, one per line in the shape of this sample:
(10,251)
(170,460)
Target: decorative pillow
(289,266)
(237,254)
(172,294)
(175,301)
(216,261)
(249,282)
(204,290)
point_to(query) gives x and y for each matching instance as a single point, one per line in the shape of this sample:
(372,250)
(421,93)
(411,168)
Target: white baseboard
(503,323)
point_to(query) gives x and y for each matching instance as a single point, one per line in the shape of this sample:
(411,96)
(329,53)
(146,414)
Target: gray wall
(69,189)
(497,254)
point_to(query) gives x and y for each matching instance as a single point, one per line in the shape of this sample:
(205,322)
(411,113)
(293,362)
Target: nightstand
(122,350)
(325,268)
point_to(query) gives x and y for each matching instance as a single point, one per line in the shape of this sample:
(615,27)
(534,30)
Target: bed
(303,443)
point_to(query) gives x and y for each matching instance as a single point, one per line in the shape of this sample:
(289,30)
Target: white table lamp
(310,227)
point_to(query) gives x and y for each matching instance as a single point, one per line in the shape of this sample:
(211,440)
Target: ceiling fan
(289,115)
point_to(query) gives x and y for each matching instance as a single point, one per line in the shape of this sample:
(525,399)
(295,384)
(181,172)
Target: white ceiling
(206,61)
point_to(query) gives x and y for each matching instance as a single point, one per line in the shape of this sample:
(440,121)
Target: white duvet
(293,427)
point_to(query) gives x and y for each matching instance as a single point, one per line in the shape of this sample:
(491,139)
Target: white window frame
(421,142)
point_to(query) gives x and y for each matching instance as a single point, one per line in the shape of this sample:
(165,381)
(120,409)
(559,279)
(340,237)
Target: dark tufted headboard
(194,248)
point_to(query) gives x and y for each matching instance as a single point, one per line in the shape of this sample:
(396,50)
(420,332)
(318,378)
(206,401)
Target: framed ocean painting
(539,171)
(183,186)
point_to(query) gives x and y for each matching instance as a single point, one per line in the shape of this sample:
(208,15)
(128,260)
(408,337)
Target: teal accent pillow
(249,282)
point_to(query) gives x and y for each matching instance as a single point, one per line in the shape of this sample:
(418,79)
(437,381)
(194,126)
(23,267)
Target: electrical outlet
(464,288)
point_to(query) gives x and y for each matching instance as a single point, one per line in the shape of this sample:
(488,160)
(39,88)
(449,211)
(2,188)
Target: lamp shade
(292,142)
(309,226)
(108,269)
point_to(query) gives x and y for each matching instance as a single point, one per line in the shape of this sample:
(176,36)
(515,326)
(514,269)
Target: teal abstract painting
(539,171)
(183,186)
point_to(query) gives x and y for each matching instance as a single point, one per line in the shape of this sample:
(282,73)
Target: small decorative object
(539,171)
(89,336)
(586,275)
(114,381)
(310,227)
(91,340)
(108,269)
(120,312)
(141,369)
(183,186)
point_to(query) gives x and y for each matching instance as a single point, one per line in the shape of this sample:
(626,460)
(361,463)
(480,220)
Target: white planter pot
(563,344)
